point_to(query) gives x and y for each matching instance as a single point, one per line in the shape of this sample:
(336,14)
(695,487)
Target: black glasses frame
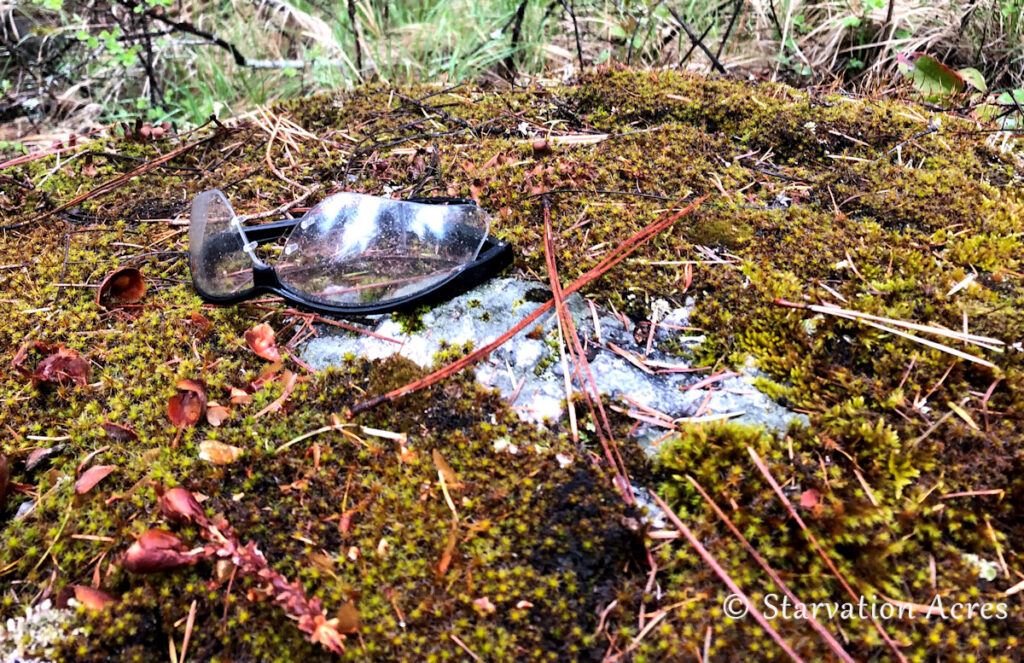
(494,256)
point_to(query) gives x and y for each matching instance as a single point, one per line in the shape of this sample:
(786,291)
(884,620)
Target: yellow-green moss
(892,234)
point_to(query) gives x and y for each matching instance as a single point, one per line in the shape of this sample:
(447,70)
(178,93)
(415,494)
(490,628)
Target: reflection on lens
(353,249)
(219,265)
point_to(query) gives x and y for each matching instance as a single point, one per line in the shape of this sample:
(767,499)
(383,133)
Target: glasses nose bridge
(264,276)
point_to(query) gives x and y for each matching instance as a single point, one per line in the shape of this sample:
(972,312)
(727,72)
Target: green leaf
(849,21)
(930,77)
(973,78)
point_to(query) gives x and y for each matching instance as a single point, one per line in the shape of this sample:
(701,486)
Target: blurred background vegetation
(76,65)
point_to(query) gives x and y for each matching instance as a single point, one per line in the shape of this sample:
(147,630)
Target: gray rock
(531,369)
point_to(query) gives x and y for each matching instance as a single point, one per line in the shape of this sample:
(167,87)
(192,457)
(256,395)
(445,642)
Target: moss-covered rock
(810,202)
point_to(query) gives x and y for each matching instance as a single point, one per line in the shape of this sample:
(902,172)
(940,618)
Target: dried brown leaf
(156,550)
(218,453)
(240,396)
(62,367)
(93,599)
(261,339)
(118,432)
(216,414)
(188,406)
(445,469)
(122,286)
(91,477)
(179,505)
(37,457)
(347,618)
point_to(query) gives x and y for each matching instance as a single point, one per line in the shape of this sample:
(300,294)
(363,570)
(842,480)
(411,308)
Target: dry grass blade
(729,582)
(613,258)
(983,341)
(815,624)
(817,547)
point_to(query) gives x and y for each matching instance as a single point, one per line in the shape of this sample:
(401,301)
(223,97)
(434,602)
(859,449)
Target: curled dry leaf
(122,286)
(93,599)
(188,406)
(36,458)
(261,339)
(240,396)
(218,453)
(119,433)
(216,414)
(62,367)
(156,550)
(91,477)
(180,505)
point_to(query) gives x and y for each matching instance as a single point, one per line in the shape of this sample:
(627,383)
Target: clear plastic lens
(220,265)
(354,249)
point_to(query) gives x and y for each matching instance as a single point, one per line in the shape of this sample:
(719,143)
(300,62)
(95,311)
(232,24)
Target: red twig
(821,552)
(579,359)
(613,258)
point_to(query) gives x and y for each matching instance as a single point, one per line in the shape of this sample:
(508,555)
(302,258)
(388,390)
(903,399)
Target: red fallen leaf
(64,365)
(122,286)
(188,406)
(810,498)
(119,432)
(91,477)
(261,339)
(180,505)
(93,599)
(5,478)
(156,550)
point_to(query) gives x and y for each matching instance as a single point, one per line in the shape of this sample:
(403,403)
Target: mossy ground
(890,234)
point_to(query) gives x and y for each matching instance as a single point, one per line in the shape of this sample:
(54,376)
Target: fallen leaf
(188,406)
(485,605)
(203,325)
(261,339)
(218,453)
(445,469)
(290,379)
(119,433)
(122,286)
(156,550)
(216,414)
(449,550)
(64,365)
(348,618)
(180,505)
(37,457)
(810,498)
(93,599)
(91,477)
(240,396)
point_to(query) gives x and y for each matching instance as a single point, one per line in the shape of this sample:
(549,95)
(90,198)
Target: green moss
(885,234)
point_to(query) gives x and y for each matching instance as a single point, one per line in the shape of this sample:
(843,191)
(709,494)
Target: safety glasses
(352,254)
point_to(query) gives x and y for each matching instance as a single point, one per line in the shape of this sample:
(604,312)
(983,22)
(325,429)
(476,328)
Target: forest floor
(864,255)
